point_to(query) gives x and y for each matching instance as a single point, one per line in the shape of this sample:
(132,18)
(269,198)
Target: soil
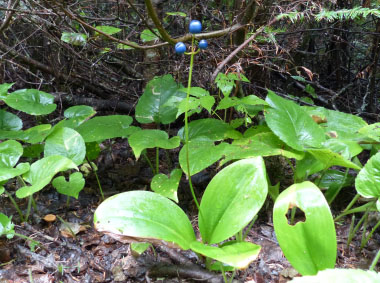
(70,250)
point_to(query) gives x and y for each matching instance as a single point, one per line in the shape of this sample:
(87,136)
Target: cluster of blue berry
(194,27)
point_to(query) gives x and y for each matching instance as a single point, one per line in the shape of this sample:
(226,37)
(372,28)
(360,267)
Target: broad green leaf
(6,226)
(33,150)
(9,121)
(209,130)
(66,142)
(262,144)
(372,131)
(159,103)
(165,186)
(73,38)
(232,199)
(196,91)
(184,105)
(145,215)
(92,150)
(31,101)
(79,111)
(238,254)
(42,171)
(253,100)
(292,124)
(256,130)
(147,35)
(105,127)
(330,158)
(4,89)
(224,83)
(207,102)
(36,134)
(70,188)
(367,182)
(108,30)
(340,276)
(207,150)
(310,246)
(331,178)
(7,173)
(227,102)
(307,166)
(10,153)
(341,125)
(346,148)
(150,139)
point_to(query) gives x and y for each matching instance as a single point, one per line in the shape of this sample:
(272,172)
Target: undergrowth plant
(320,145)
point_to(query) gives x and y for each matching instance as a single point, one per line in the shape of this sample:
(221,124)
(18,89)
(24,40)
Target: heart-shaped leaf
(207,102)
(292,124)
(10,153)
(105,127)
(237,254)
(160,100)
(310,246)
(232,199)
(209,130)
(81,112)
(165,186)
(340,275)
(151,139)
(367,182)
(9,121)
(70,188)
(144,215)
(42,171)
(31,101)
(66,142)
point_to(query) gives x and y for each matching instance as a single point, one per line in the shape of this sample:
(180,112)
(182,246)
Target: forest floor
(71,250)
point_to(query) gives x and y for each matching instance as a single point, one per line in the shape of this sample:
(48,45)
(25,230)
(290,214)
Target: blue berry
(180,48)
(195,26)
(203,44)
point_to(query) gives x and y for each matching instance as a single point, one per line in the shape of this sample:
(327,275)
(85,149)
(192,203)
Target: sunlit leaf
(167,186)
(367,182)
(69,188)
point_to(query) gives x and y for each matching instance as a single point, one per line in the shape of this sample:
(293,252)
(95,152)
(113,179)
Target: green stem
(362,243)
(340,187)
(157,160)
(68,201)
(375,260)
(357,196)
(293,214)
(249,227)
(29,208)
(351,235)
(293,170)
(15,205)
(149,163)
(97,178)
(232,276)
(187,122)
(370,234)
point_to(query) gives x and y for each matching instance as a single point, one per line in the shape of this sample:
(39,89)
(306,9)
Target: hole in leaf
(295,215)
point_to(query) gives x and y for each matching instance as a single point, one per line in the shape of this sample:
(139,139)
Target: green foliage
(340,275)
(6,226)
(70,188)
(147,35)
(306,249)
(167,186)
(108,30)
(76,39)
(347,14)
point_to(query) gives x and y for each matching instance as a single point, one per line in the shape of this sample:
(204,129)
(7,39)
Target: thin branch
(9,14)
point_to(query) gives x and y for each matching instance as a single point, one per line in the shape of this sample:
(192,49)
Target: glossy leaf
(232,199)
(6,226)
(66,142)
(165,186)
(340,276)
(7,173)
(209,152)
(10,153)
(31,101)
(329,158)
(36,134)
(238,254)
(262,144)
(144,215)
(79,111)
(9,121)
(209,130)
(105,127)
(341,125)
(367,182)
(70,188)
(311,245)
(42,171)
(292,124)
(346,148)
(159,103)
(372,131)
(184,105)
(151,139)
